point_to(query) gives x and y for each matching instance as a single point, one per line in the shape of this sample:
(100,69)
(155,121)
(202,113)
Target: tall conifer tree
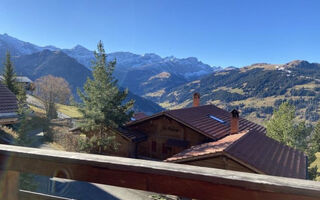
(9,75)
(283,127)
(103,108)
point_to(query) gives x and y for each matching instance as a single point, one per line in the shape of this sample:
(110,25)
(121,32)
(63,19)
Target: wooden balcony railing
(160,177)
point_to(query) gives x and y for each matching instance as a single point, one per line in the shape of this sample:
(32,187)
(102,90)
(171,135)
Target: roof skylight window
(217,119)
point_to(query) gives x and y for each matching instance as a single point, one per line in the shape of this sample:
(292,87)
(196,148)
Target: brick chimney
(234,127)
(196,99)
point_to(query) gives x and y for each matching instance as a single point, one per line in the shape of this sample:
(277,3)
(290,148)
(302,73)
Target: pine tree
(281,125)
(283,128)
(103,108)
(313,148)
(9,75)
(314,143)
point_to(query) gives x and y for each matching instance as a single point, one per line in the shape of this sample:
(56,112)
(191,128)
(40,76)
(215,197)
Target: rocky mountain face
(149,74)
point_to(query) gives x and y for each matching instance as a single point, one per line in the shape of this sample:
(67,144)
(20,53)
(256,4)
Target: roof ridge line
(241,138)
(189,107)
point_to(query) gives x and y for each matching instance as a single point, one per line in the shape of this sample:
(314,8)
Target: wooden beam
(9,185)
(168,178)
(27,195)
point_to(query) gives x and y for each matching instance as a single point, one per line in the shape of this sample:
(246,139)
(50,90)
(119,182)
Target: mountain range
(255,90)
(142,74)
(156,83)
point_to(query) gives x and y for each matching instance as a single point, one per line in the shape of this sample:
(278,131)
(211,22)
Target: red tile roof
(8,101)
(198,119)
(254,149)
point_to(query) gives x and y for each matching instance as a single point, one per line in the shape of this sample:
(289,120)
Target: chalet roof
(255,150)
(206,148)
(139,115)
(23,79)
(20,79)
(198,118)
(132,135)
(8,102)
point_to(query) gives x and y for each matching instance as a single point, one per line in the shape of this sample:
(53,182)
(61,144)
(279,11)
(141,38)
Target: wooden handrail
(160,177)
(28,195)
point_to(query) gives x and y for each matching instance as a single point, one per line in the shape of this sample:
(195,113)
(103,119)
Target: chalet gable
(208,120)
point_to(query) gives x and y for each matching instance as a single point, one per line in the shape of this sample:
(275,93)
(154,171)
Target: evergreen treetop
(283,128)
(9,76)
(103,106)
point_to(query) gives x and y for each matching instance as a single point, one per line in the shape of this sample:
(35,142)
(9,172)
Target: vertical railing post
(9,185)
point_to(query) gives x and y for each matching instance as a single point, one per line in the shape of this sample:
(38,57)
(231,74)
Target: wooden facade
(126,148)
(165,138)
(221,162)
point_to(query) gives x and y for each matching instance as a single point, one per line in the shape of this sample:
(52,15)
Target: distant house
(24,81)
(8,106)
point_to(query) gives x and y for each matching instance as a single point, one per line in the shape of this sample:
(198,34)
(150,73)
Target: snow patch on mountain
(187,67)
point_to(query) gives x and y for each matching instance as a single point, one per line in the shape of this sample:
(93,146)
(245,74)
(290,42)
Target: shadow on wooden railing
(167,178)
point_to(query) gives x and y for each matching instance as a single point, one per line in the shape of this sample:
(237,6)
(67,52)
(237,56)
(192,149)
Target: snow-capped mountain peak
(189,67)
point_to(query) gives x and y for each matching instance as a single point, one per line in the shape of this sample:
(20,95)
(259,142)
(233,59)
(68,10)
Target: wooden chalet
(208,136)
(173,131)
(8,106)
(212,137)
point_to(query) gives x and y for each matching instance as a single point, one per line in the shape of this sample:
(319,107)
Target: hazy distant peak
(51,47)
(79,47)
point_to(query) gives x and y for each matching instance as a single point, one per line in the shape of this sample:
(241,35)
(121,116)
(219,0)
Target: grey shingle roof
(8,101)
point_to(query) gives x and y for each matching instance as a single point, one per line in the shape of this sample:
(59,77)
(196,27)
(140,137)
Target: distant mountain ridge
(34,62)
(255,90)
(142,74)
(170,82)
(125,60)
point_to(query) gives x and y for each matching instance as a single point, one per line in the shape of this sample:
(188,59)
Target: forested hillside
(255,90)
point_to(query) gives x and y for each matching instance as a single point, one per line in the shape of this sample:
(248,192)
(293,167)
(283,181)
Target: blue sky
(218,32)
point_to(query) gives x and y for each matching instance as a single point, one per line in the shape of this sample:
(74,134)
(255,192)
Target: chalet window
(169,150)
(154,146)
(164,149)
